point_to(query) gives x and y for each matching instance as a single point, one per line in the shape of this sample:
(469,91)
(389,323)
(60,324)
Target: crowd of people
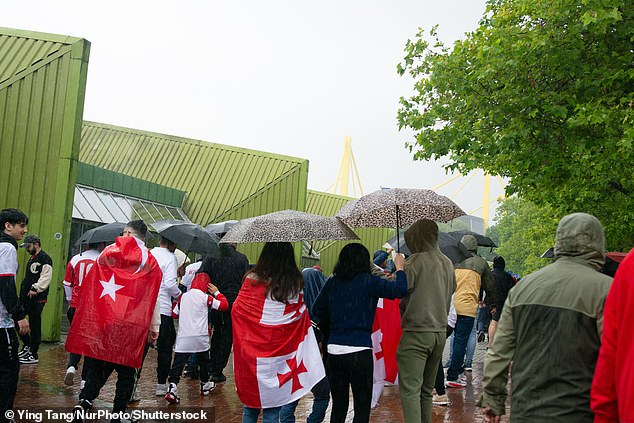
(561,331)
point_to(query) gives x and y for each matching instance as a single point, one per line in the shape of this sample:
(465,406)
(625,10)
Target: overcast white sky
(291,77)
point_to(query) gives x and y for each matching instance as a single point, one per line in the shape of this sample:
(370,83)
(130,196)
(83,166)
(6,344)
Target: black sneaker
(79,409)
(24,351)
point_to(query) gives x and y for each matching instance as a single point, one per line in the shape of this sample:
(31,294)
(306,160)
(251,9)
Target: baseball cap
(30,239)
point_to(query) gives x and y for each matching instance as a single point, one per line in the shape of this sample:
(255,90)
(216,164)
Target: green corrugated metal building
(325,204)
(42,87)
(221,182)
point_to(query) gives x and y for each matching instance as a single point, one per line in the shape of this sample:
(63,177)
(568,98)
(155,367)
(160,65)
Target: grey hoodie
(430,281)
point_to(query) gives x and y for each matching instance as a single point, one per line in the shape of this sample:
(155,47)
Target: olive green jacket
(550,330)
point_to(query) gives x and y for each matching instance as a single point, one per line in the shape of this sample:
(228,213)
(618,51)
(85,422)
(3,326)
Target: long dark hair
(277,266)
(353,259)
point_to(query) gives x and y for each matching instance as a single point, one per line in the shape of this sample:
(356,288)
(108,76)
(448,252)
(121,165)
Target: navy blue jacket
(349,306)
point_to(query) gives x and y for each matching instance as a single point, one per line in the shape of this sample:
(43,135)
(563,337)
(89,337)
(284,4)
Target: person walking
(193,333)
(472,274)
(550,329)
(612,390)
(76,271)
(166,259)
(273,340)
(348,304)
(503,282)
(227,272)
(14,225)
(33,296)
(314,281)
(117,314)
(430,283)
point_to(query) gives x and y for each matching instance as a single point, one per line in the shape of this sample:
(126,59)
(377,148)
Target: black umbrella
(483,241)
(188,236)
(549,253)
(106,233)
(449,246)
(220,228)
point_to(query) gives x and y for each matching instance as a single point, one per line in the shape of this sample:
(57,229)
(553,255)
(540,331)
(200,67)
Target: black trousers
(98,374)
(180,359)
(73,359)
(440,375)
(33,339)
(164,346)
(221,341)
(345,371)
(9,370)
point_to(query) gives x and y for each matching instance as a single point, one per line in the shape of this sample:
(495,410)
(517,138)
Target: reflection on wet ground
(42,386)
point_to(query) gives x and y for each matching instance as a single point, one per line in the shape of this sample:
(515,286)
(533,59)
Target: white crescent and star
(110,288)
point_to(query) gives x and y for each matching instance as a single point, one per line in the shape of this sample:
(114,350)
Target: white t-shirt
(169,286)
(8,267)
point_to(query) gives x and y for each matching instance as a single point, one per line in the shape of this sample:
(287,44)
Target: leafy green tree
(540,93)
(523,232)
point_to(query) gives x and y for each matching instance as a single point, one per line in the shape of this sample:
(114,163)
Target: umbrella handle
(398,239)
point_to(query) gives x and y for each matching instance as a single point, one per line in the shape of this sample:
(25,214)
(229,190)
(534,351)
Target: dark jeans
(484,318)
(164,345)
(464,325)
(33,309)
(321,392)
(345,371)
(73,359)
(221,341)
(439,385)
(98,375)
(179,363)
(9,370)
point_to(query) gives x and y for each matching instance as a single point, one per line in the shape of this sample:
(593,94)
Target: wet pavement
(42,386)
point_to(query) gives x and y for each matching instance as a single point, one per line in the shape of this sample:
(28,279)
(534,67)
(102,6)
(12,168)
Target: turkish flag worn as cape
(276,359)
(116,304)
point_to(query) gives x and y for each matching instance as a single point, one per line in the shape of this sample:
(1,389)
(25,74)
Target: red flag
(276,358)
(388,317)
(116,304)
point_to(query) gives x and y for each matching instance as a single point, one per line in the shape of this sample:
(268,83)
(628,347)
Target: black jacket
(38,277)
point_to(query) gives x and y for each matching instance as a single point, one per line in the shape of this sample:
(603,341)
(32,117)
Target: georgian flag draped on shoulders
(276,358)
(116,304)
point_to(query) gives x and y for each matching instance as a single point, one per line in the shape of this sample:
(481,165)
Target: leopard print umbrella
(288,226)
(397,208)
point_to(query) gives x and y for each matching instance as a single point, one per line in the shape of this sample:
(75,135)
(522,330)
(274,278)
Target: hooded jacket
(472,276)
(550,329)
(430,281)
(191,310)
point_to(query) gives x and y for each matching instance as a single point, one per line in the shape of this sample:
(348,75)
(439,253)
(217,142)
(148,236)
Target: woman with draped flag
(276,358)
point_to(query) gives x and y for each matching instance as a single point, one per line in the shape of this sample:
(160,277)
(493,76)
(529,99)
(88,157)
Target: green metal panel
(326,204)
(42,87)
(222,182)
(108,180)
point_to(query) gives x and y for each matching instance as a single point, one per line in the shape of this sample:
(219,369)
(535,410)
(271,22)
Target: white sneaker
(161,389)
(82,384)
(172,394)
(207,387)
(440,399)
(69,379)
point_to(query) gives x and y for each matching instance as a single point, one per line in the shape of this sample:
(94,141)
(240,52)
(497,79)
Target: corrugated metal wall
(42,87)
(326,204)
(222,182)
